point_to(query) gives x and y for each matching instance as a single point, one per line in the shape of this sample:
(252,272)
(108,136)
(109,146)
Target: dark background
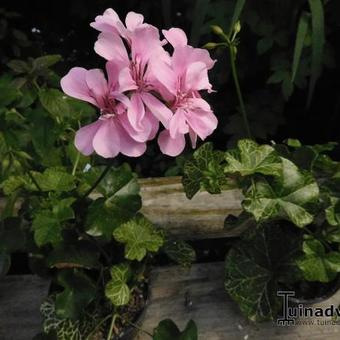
(62,27)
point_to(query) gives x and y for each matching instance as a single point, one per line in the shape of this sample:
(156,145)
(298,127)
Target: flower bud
(237,27)
(210,46)
(217,29)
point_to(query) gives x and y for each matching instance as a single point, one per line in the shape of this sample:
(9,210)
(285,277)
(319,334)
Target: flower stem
(99,179)
(238,90)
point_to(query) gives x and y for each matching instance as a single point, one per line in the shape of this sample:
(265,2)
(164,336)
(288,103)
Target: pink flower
(109,22)
(112,133)
(135,72)
(184,77)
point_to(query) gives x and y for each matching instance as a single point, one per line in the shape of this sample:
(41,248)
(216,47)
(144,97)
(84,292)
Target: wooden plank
(165,204)
(216,315)
(20,299)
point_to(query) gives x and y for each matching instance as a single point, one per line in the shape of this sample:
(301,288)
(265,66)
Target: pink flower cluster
(145,86)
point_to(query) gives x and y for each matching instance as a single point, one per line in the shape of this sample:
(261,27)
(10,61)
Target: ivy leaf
(180,252)
(79,291)
(316,264)
(117,289)
(47,229)
(54,101)
(120,203)
(333,212)
(167,330)
(250,158)
(77,255)
(54,179)
(256,265)
(286,197)
(139,237)
(204,171)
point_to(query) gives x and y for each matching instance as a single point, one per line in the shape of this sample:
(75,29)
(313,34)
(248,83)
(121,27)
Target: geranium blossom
(184,77)
(111,133)
(146,85)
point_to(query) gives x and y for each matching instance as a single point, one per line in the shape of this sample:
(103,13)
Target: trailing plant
(283,185)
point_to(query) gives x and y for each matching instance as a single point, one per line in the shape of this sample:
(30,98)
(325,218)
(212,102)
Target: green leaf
(180,252)
(120,203)
(318,42)
(204,171)
(81,254)
(250,158)
(62,209)
(287,197)
(47,229)
(167,330)
(8,93)
(46,61)
(257,265)
(12,236)
(139,237)
(14,183)
(299,42)
(314,268)
(117,289)
(55,179)
(55,102)
(5,263)
(79,291)
(19,66)
(333,212)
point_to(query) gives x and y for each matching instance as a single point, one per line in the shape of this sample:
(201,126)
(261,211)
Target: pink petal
(197,77)
(109,22)
(133,20)
(111,47)
(136,111)
(149,127)
(202,122)
(164,74)
(74,84)
(106,142)
(97,84)
(157,108)
(112,75)
(145,42)
(193,138)
(128,146)
(171,146)
(178,124)
(84,137)
(126,82)
(176,37)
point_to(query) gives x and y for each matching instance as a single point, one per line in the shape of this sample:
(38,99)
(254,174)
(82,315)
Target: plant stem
(76,164)
(238,90)
(97,327)
(114,317)
(103,174)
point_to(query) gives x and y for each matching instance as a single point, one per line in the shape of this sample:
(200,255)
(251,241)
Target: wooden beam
(165,204)
(198,294)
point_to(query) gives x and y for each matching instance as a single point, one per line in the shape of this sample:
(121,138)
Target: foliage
(167,330)
(255,268)
(79,217)
(283,185)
